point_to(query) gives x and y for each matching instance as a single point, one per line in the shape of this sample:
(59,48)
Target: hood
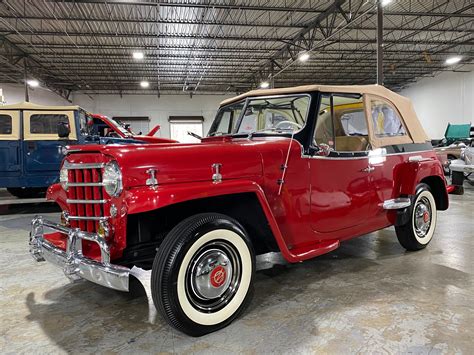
(178,163)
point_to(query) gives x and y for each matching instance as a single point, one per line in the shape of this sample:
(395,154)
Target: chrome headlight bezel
(112,179)
(64,177)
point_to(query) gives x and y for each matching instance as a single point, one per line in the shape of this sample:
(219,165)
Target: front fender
(56,193)
(144,199)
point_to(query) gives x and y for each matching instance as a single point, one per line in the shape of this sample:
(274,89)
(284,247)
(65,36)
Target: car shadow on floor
(86,316)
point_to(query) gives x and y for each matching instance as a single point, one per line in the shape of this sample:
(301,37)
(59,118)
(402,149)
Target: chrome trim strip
(85,218)
(85,201)
(84,184)
(396,203)
(72,166)
(361,157)
(75,265)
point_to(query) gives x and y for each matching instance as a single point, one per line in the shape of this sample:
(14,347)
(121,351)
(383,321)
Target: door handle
(369,169)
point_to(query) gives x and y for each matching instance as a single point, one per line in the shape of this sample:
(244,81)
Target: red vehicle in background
(303,170)
(108,127)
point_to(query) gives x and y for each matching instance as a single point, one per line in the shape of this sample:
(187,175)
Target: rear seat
(351,143)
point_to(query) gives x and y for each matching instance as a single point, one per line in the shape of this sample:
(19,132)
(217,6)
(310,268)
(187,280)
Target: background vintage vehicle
(33,139)
(463,169)
(456,137)
(104,126)
(305,169)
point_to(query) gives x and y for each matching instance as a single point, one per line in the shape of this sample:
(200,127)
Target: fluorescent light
(264,85)
(138,55)
(453,60)
(303,57)
(33,83)
(144,84)
(386,2)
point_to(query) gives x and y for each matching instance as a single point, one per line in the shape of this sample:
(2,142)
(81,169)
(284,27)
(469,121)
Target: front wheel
(419,229)
(202,273)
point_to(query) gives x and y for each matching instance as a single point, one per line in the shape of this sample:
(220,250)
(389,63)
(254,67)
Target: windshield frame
(263,97)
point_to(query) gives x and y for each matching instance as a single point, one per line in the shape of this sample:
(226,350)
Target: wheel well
(146,231)
(438,189)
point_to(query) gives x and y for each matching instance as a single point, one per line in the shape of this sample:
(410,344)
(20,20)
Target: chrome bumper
(462,168)
(74,264)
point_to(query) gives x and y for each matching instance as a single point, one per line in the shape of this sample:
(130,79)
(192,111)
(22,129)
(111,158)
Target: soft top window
(47,123)
(387,122)
(6,124)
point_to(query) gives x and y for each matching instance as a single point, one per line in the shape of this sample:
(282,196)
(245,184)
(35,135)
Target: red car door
(341,191)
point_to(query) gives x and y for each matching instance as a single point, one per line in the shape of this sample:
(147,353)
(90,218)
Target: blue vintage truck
(33,140)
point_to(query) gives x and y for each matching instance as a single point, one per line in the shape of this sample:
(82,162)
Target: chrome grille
(85,196)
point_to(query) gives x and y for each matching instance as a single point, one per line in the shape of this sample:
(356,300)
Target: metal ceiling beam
(242,7)
(18,60)
(225,24)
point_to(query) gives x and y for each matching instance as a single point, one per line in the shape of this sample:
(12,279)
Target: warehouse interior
(172,64)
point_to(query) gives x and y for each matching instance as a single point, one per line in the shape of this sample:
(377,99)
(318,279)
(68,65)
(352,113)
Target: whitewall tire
(202,273)
(419,229)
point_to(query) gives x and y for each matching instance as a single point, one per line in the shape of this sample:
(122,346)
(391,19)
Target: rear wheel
(27,192)
(419,229)
(202,273)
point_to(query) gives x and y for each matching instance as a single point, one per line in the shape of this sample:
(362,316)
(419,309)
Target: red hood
(177,163)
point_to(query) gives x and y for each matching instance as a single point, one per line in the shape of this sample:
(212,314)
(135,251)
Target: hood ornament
(217,176)
(152,180)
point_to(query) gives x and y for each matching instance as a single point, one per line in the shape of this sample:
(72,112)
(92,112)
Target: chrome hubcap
(213,276)
(422,217)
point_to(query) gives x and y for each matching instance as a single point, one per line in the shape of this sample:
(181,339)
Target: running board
(396,203)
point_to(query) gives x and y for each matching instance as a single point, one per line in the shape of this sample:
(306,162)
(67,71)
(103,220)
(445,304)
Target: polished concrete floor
(369,296)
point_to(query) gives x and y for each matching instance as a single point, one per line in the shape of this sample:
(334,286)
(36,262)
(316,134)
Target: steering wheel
(297,125)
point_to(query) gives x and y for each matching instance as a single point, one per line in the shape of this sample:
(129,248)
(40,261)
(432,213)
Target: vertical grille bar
(71,193)
(80,196)
(89,209)
(97,194)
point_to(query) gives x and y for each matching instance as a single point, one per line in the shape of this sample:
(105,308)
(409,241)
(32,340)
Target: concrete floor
(369,296)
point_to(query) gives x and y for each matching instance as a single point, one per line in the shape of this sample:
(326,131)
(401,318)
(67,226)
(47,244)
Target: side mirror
(63,130)
(324,150)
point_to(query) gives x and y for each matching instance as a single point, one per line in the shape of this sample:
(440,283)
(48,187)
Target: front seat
(351,143)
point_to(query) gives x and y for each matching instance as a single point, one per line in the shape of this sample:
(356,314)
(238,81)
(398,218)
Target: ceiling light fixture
(33,83)
(386,2)
(453,60)
(144,84)
(138,55)
(264,85)
(303,57)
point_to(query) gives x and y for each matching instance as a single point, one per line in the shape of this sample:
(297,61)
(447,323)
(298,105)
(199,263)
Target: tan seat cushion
(351,143)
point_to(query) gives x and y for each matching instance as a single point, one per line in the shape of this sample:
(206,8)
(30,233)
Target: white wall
(448,97)
(158,109)
(15,93)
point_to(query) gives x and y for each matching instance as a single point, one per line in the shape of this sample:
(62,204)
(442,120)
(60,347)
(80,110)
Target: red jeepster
(302,170)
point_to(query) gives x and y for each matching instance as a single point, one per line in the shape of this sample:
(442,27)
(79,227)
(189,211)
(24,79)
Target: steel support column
(379,43)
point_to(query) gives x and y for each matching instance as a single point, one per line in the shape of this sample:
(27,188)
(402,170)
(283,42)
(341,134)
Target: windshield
(226,119)
(276,115)
(119,126)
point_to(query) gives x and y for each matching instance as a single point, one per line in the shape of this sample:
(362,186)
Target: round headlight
(112,179)
(63,177)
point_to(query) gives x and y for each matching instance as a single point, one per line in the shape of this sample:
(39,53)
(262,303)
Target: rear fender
(409,174)
(144,199)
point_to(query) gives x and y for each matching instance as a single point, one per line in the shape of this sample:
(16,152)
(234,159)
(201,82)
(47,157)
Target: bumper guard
(74,264)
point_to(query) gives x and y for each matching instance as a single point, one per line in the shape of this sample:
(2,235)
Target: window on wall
(342,123)
(47,123)
(387,122)
(181,125)
(6,124)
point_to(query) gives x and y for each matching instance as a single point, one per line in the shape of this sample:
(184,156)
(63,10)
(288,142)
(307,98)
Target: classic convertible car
(303,170)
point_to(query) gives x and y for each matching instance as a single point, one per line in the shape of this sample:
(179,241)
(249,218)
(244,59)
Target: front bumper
(74,264)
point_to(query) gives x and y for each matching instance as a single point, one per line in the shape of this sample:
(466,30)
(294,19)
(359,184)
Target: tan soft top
(36,107)
(402,103)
